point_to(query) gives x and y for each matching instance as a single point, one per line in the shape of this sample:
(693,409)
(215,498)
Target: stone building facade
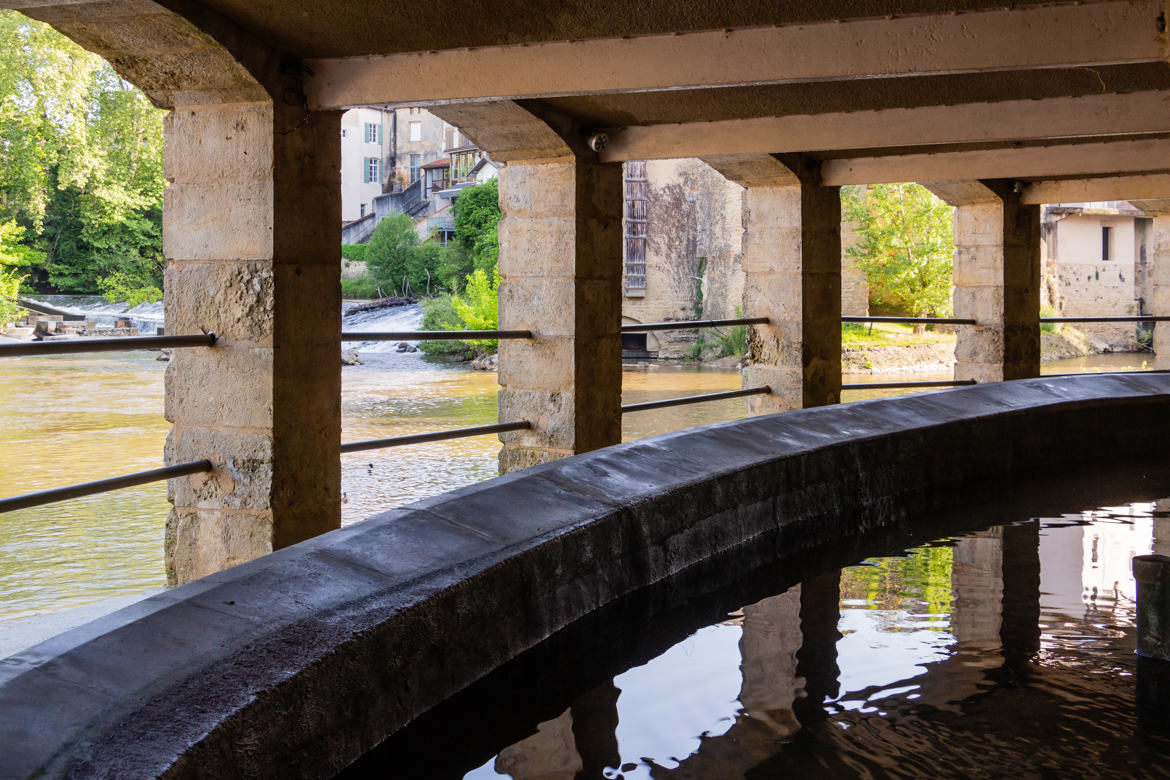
(1096,258)
(683,225)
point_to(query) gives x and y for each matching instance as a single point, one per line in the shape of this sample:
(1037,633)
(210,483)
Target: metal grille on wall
(635,227)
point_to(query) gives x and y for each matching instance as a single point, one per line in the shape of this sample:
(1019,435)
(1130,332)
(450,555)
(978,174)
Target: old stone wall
(1089,283)
(692,252)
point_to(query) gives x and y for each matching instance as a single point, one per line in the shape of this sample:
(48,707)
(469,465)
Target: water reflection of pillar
(977,588)
(771,637)
(1162,527)
(595,721)
(1020,632)
(816,660)
(549,754)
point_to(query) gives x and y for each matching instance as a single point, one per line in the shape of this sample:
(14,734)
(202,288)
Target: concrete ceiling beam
(996,122)
(758,170)
(1147,186)
(1083,159)
(506,130)
(1114,32)
(962,193)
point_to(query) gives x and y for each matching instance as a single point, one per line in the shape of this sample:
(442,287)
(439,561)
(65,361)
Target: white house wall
(355,191)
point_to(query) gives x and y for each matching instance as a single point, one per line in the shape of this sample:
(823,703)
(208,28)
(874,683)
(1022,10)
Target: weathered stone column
(792,264)
(251,228)
(1160,274)
(560,269)
(997,282)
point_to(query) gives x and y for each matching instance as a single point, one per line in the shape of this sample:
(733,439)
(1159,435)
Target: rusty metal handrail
(693,324)
(1133,318)
(119,344)
(912,320)
(695,399)
(898,385)
(43,497)
(435,335)
(1110,373)
(423,438)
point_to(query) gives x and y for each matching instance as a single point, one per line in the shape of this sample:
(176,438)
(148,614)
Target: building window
(415,164)
(1106,244)
(363,211)
(373,133)
(416,131)
(372,170)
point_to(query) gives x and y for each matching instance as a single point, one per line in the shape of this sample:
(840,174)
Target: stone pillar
(1160,283)
(251,227)
(560,268)
(997,282)
(792,265)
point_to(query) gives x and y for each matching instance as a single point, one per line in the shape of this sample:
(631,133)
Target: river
(76,418)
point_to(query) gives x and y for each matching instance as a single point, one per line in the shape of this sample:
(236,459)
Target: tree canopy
(80,165)
(906,247)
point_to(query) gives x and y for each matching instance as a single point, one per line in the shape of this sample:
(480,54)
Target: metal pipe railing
(1111,373)
(693,324)
(899,385)
(695,399)
(423,438)
(436,335)
(68,346)
(43,497)
(912,320)
(1133,318)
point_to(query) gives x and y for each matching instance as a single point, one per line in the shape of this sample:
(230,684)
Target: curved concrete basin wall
(297,663)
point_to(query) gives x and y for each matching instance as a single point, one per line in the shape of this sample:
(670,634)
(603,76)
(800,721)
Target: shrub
(355,252)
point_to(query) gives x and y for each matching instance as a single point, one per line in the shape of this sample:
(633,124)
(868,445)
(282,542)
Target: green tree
(80,164)
(477,213)
(388,257)
(479,306)
(906,247)
(15,260)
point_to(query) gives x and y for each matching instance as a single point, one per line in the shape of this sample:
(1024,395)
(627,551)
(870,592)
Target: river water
(76,418)
(1005,649)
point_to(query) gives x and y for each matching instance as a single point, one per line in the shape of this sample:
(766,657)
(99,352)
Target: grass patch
(855,334)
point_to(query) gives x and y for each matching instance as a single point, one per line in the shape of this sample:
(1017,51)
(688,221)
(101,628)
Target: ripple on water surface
(1002,652)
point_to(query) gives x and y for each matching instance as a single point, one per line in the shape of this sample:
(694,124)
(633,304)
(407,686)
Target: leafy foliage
(80,165)
(477,214)
(439,314)
(388,253)
(354,252)
(15,259)
(906,248)
(479,307)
